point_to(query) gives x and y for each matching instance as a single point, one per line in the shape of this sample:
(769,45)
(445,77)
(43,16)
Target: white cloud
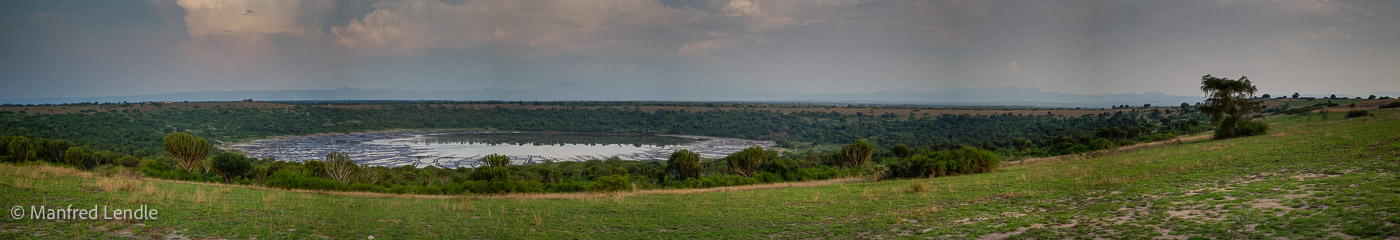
(1013,68)
(235,33)
(564,27)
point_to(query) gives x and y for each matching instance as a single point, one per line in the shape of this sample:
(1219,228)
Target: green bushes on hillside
(966,160)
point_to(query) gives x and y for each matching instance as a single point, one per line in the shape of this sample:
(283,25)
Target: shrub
(1231,127)
(611,183)
(1391,105)
(129,161)
(313,168)
(1358,113)
(967,160)
(903,151)
(684,164)
(746,162)
(230,165)
(291,180)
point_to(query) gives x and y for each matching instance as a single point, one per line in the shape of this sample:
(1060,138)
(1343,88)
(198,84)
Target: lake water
(465,149)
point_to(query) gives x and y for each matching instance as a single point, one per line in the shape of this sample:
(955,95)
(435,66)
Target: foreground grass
(1308,179)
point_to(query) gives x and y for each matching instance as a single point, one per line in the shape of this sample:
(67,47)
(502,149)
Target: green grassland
(1308,178)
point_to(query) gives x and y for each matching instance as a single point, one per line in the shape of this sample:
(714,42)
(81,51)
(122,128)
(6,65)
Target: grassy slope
(1309,179)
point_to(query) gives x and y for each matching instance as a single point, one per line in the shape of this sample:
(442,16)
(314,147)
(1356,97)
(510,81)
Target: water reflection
(525,148)
(552,139)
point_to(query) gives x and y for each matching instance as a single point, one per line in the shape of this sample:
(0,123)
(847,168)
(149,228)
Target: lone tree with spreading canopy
(684,164)
(340,168)
(187,149)
(1227,102)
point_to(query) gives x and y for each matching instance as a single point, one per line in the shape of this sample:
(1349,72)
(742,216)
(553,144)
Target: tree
(746,162)
(1227,102)
(1022,144)
(313,168)
(55,149)
(24,149)
(129,161)
(856,153)
(495,160)
(684,164)
(901,151)
(494,167)
(74,156)
(1372,97)
(1295,95)
(230,164)
(340,167)
(187,149)
(1265,96)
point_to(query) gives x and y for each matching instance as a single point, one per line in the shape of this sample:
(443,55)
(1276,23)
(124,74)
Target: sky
(51,49)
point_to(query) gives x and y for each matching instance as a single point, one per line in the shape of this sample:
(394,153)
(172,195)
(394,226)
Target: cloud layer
(806,46)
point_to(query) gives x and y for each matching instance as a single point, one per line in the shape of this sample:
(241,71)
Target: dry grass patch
(54,171)
(23,183)
(114,184)
(458,204)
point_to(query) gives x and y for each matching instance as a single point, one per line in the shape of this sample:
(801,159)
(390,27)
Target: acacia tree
(746,162)
(1227,102)
(340,168)
(684,163)
(187,149)
(857,153)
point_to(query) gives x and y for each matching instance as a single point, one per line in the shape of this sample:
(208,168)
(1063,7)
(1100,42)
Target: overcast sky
(107,48)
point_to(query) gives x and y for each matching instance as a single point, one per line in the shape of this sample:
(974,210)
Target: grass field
(1309,178)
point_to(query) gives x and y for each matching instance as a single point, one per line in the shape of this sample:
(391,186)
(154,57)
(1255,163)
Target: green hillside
(1308,178)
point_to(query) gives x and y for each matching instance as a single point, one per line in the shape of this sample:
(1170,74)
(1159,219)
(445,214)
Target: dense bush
(1358,113)
(1231,127)
(1395,104)
(292,180)
(230,165)
(129,161)
(944,163)
(611,183)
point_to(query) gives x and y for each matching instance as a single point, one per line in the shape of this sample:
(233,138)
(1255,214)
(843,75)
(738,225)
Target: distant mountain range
(1002,96)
